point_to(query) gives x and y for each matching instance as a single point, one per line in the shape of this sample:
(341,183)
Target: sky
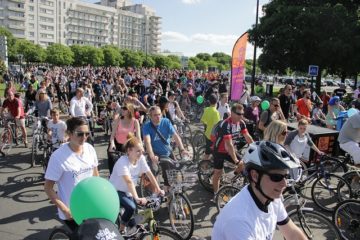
(197,26)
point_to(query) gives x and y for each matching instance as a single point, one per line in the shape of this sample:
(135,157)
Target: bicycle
(346,218)
(314,224)
(10,136)
(48,149)
(39,139)
(180,210)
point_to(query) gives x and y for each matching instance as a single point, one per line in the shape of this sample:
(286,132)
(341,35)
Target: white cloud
(191,1)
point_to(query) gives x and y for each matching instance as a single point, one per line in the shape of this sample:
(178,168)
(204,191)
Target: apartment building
(69,22)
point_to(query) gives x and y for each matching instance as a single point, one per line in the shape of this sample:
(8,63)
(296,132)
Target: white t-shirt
(242,219)
(298,145)
(123,167)
(58,130)
(67,169)
(147,83)
(223,109)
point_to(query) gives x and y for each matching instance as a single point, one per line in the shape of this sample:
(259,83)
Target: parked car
(288,81)
(331,83)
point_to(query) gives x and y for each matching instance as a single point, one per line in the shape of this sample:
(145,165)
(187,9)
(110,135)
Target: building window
(31,34)
(31,25)
(31,17)
(31,8)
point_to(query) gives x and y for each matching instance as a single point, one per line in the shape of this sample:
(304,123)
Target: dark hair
(74,123)
(237,106)
(213,99)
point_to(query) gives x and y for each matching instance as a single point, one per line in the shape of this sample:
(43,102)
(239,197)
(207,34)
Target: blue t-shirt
(166,129)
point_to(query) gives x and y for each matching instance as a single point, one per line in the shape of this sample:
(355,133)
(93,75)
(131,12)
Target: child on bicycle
(56,127)
(125,175)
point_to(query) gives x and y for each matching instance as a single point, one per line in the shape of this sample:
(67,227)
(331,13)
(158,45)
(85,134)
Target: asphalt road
(26,212)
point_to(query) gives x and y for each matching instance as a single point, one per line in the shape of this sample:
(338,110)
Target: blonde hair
(131,142)
(274,131)
(131,110)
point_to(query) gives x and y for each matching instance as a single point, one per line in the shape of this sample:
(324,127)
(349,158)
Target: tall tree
(59,55)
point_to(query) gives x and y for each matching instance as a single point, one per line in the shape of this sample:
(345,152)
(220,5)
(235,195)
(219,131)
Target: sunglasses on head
(82,134)
(277,177)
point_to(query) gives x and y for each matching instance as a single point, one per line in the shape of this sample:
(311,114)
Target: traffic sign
(313,70)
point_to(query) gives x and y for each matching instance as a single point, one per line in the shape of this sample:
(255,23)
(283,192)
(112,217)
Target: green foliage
(324,33)
(59,55)
(191,65)
(162,61)
(30,51)
(80,56)
(95,56)
(10,41)
(112,56)
(201,65)
(149,61)
(131,58)
(2,68)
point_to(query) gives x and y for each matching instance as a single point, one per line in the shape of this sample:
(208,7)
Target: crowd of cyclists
(143,110)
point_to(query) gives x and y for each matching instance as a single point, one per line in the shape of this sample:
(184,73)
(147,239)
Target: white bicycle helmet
(265,155)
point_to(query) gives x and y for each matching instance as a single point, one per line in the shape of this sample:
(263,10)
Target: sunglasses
(239,114)
(82,134)
(277,177)
(124,108)
(276,105)
(284,133)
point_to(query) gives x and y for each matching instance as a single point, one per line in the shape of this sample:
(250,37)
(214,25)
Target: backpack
(216,135)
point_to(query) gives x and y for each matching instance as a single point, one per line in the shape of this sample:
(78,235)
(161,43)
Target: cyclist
(80,106)
(125,176)
(334,108)
(121,127)
(16,110)
(56,127)
(43,106)
(226,142)
(297,140)
(257,209)
(157,134)
(349,138)
(303,106)
(210,117)
(276,132)
(273,113)
(286,101)
(174,109)
(223,106)
(68,165)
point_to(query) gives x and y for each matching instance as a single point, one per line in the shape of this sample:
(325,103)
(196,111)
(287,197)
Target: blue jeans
(129,206)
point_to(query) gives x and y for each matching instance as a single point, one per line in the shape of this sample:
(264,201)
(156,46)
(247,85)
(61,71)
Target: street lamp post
(254,57)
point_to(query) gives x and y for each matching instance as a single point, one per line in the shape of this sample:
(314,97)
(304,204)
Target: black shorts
(219,159)
(208,144)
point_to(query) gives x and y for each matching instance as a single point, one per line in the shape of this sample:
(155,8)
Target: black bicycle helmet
(265,156)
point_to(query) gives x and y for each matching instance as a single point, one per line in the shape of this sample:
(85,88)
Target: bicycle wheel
(6,141)
(34,149)
(327,191)
(224,195)
(181,216)
(188,147)
(161,233)
(314,224)
(199,154)
(349,176)
(199,139)
(60,234)
(205,173)
(346,218)
(334,165)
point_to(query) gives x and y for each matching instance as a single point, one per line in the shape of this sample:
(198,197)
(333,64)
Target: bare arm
(248,138)
(54,198)
(178,141)
(229,146)
(291,231)
(153,181)
(137,129)
(96,172)
(131,187)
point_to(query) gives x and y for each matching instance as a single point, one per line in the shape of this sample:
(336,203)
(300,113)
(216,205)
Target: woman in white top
(223,106)
(174,109)
(71,163)
(125,175)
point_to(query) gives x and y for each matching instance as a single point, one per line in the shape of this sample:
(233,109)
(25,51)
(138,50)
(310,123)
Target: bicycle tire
(333,184)
(348,178)
(59,234)
(34,150)
(199,139)
(6,141)
(334,165)
(224,195)
(161,233)
(324,228)
(205,173)
(180,210)
(187,131)
(346,218)
(188,146)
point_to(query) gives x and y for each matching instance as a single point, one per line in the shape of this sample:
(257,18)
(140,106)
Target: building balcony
(19,35)
(16,9)
(17,1)
(14,26)
(18,18)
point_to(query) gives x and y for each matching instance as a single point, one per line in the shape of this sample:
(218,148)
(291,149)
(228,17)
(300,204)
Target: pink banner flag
(238,67)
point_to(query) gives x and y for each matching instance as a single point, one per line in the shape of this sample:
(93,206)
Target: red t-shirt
(325,99)
(302,107)
(13,107)
(230,130)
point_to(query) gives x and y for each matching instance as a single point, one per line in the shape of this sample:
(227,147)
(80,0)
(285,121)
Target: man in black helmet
(257,209)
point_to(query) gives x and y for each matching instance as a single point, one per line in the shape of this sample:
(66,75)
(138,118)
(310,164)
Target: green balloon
(265,105)
(200,99)
(94,197)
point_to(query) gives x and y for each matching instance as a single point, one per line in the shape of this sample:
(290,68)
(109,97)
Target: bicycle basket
(177,177)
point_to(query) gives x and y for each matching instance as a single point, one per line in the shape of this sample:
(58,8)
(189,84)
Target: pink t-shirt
(122,132)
